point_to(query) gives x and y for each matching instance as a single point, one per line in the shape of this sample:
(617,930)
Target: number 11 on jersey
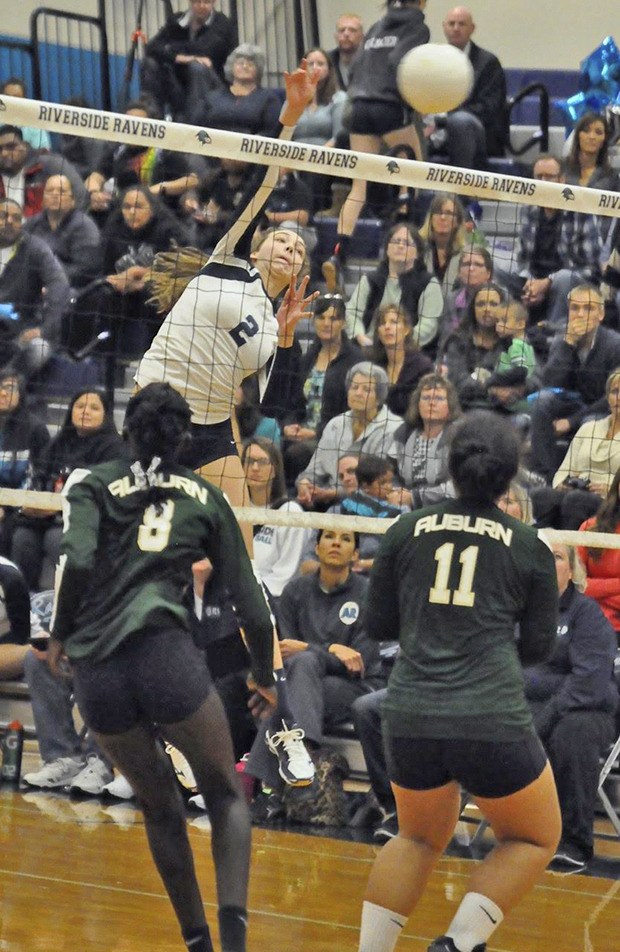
(463,596)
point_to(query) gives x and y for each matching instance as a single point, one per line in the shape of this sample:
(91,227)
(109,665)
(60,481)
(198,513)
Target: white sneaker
(295,764)
(92,778)
(57,773)
(198,802)
(119,788)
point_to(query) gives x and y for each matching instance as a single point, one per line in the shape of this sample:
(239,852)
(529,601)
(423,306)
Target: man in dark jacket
(479,127)
(185,60)
(574,377)
(574,698)
(34,285)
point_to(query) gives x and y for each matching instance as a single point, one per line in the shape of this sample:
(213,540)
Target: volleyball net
(398,190)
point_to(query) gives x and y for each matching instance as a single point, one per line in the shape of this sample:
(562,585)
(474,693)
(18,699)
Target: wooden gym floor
(75,875)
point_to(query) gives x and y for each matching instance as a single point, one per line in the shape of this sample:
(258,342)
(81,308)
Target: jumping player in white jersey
(220,326)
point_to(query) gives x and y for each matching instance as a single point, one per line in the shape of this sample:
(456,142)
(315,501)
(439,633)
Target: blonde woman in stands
(445,235)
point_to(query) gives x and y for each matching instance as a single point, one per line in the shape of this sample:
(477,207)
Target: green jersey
(452,582)
(125,561)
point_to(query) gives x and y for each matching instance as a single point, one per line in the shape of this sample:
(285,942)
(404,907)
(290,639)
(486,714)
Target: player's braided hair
(157,422)
(170,274)
(484,457)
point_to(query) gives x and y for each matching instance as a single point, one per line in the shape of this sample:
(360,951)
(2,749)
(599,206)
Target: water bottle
(12,749)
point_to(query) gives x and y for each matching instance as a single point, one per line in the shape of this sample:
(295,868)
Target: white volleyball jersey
(223,327)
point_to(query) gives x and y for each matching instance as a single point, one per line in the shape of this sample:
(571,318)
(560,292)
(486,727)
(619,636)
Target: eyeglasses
(257,461)
(332,297)
(402,241)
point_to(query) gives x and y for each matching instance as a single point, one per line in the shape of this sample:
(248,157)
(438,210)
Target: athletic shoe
(267,806)
(119,789)
(569,855)
(93,778)
(295,764)
(386,830)
(56,774)
(444,944)
(198,803)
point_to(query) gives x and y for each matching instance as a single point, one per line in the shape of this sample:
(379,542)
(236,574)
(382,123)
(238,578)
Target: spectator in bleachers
(328,657)
(323,369)
(574,697)
(23,172)
(23,439)
(471,353)
(394,349)
(479,126)
(208,208)
(556,251)
(168,174)
(585,474)
(379,117)
(349,35)
(421,444)
(250,420)
(70,233)
(290,206)
(400,279)
(185,59)
(444,234)
(475,269)
(588,161)
(321,121)
(83,152)
(510,326)
(36,138)
(243,105)
(139,228)
(87,436)
(580,362)
(366,427)
(602,566)
(346,472)
(14,620)
(277,549)
(369,497)
(35,289)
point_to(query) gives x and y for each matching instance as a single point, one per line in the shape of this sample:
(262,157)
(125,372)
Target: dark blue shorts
(157,676)
(209,442)
(373,118)
(483,768)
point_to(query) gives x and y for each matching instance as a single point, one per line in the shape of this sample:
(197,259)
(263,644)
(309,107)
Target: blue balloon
(595,100)
(602,64)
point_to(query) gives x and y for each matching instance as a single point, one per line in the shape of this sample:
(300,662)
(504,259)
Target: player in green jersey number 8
(453,581)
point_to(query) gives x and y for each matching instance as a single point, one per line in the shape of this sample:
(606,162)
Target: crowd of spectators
(431,329)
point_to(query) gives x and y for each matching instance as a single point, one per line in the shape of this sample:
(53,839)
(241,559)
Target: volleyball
(435,77)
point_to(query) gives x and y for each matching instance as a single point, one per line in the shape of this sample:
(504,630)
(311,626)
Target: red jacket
(33,190)
(603,577)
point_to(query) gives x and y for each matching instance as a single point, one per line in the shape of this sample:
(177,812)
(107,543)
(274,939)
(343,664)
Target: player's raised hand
(300,85)
(295,306)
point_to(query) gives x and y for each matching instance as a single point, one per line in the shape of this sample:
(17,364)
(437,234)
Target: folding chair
(612,763)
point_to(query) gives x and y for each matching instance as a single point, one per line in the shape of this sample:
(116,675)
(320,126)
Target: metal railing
(541,136)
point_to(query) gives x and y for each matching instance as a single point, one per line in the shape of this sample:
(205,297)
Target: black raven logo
(2,106)
(568,194)
(393,167)
(203,137)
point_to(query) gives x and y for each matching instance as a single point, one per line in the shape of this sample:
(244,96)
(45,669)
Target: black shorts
(157,676)
(483,768)
(209,442)
(374,118)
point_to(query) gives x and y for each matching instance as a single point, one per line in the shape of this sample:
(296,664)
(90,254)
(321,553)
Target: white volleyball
(435,77)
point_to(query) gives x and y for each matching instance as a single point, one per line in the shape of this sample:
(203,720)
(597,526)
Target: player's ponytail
(157,423)
(484,457)
(170,274)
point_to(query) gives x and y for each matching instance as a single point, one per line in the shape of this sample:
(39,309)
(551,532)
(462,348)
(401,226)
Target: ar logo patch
(349,613)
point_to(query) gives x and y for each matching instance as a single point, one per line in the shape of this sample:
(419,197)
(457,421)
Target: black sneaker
(386,830)
(267,807)
(295,764)
(569,855)
(445,944)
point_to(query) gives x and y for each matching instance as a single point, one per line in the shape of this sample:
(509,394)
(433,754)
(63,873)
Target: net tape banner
(218,143)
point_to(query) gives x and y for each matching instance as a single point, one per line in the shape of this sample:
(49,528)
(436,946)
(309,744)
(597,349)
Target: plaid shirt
(579,247)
